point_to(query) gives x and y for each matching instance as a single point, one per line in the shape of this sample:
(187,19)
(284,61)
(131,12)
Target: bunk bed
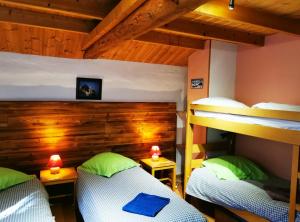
(260,123)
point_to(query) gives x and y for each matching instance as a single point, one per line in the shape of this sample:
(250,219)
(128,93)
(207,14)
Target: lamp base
(54,170)
(155,157)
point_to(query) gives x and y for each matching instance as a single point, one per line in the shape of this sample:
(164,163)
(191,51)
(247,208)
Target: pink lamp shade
(155,152)
(55,163)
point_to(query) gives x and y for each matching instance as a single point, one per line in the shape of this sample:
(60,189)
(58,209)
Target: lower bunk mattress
(101,199)
(26,202)
(238,194)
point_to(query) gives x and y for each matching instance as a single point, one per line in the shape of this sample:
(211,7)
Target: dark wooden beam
(219,9)
(36,19)
(152,14)
(174,40)
(84,9)
(27,18)
(119,13)
(197,29)
(56,22)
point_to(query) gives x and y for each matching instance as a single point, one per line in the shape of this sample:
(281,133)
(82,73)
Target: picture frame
(88,88)
(197,83)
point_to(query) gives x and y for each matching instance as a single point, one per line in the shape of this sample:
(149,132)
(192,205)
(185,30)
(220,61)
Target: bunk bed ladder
(295,175)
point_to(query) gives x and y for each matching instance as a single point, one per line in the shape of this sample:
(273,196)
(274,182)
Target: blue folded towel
(146,204)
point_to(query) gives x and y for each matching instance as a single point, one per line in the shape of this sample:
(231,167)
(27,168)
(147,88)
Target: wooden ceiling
(151,31)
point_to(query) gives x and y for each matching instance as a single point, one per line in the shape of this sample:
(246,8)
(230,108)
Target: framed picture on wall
(87,88)
(197,83)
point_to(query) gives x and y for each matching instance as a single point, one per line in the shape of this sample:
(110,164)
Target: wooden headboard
(31,131)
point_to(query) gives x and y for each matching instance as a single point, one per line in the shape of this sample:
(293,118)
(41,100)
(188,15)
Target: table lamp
(55,163)
(155,152)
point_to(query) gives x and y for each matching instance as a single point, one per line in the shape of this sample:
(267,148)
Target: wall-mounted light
(231,4)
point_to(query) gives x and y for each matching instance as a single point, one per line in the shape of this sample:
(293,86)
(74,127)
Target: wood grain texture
(40,41)
(37,19)
(114,17)
(197,29)
(32,131)
(288,8)
(175,40)
(233,25)
(86,9)
(138,51)
(244,15)
(152,14)
(81,16)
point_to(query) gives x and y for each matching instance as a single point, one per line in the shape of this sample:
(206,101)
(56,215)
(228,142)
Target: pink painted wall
(198,67)
(269,73)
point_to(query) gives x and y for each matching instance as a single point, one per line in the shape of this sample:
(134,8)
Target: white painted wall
(222,75)
(222,69)
(28,77)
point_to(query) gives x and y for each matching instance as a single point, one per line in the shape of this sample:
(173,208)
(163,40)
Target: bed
(25,202)
(267,123)
(101,199)
(242,195)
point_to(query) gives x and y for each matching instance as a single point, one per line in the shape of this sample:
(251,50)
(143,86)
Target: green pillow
(235,168)
(10,177)
(107,164)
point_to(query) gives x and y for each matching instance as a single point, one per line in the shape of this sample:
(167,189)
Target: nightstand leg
(174,179)
(74,194)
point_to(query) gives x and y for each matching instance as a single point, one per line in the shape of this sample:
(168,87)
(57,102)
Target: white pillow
(277,106)
(220,101)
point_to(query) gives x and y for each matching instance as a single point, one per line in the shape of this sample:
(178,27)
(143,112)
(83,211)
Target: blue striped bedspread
(101,199)
(241,195)
(26,202)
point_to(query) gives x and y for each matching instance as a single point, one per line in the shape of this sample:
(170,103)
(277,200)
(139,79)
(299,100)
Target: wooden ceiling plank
(27,18)
(87,9)
(219,9)
(152,14)
(197,29)
(174,40)
(36,19)
(118,14)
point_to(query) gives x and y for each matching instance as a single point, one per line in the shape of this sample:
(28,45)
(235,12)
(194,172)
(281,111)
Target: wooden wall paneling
(31,131)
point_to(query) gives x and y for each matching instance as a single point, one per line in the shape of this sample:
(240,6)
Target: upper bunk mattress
(269,122)
(26,202)
(238,194)
(101,199)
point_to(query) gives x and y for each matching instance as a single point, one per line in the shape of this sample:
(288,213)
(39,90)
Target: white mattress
(101,199)
(276,123)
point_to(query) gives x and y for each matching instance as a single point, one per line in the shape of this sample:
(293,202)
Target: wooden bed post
(294,183)
(188,149)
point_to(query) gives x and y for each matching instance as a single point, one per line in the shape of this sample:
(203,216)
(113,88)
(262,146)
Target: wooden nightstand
(160,165)
(64,177)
